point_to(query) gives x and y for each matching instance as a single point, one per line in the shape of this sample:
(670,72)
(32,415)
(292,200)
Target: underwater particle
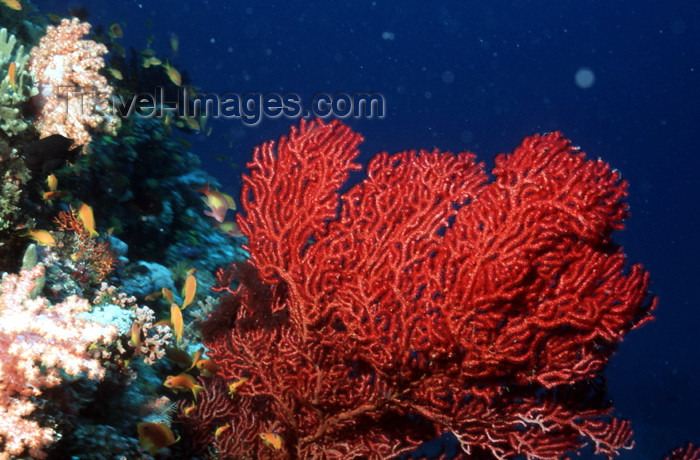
(388,35)
(584,78)
(448,77)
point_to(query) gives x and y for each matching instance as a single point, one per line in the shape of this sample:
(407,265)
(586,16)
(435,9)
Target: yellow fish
(272,439)
(173,74)
(176,320)
(88,219)
(218,203)
(14,4)
(221,429)
(189,290)
(52,182)
(154,436)
(234,386)
(42,237)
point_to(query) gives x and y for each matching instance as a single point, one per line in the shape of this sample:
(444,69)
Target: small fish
(218,203)
(271,439)
(136,337)
(52,182)
(116,73)
(173,74)
(42,237)
(88,219)
(176,320)
(119,49)
(168,295)
(230,228)
(207,367)
(115,31)
(53,195)
(221,429)
(189,290)
(188,410)
(153,295)
(196,357)
(14,4)
(11,75)
(192,123)
(233,388)
(155,436)
(183,382)
(180,357)
(149,61)
(174,43)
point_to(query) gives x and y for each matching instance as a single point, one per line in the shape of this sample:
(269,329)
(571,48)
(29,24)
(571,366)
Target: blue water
(481,76)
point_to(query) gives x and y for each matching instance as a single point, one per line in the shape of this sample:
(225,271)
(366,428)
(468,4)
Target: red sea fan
(426,300)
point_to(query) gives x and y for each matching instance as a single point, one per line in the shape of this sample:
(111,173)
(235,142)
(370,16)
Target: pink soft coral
(36,340)
(73,96)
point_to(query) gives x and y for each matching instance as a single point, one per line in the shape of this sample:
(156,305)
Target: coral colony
(426,302)
(431,302)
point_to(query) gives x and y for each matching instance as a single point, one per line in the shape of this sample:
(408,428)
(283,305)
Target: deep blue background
(513,66)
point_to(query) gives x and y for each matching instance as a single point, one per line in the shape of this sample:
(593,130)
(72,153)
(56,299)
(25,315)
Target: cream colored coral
(14,90)
(73,96)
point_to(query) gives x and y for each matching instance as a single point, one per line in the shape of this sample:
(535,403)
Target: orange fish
(272,439)
(168,295)
(177,322)
(152,296)
(219,203)
(88,219)
(221,429)
(11,74)
(155,436)
(183,382)
(207,367)
(14,4)
(189,290)
(188,410)
(42,237)
(233,388)
(48,196)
